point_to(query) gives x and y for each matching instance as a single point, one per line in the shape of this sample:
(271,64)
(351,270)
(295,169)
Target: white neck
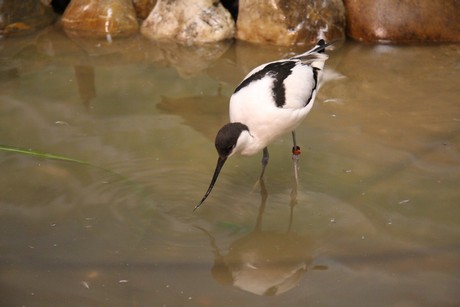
(248,144)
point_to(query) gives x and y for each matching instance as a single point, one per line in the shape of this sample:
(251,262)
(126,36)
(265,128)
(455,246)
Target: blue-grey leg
(265,158)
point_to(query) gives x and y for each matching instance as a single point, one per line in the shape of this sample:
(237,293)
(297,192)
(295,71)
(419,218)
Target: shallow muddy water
(107,147)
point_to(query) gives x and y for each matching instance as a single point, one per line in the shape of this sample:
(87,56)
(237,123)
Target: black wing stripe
(279,71)
(315,79)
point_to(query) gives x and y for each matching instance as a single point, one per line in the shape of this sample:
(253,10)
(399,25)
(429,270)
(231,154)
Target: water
(375,222)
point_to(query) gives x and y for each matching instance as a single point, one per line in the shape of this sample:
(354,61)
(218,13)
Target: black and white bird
(272,100)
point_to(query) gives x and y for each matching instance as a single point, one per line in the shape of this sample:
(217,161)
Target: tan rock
(199,21)
(23,17)
(100,18)
(288,22)
(403,21)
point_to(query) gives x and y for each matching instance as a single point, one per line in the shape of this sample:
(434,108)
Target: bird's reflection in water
(265,262)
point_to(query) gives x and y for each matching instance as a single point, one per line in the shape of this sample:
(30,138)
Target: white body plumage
(272,100)
(255,104)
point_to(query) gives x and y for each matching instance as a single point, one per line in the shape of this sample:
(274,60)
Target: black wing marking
(279,71)
(315,79)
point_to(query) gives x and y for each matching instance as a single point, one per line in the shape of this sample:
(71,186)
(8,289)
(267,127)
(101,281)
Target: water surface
(376,218)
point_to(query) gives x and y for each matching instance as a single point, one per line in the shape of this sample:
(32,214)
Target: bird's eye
(229,149)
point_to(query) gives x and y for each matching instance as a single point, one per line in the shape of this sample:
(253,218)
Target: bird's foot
(296,152)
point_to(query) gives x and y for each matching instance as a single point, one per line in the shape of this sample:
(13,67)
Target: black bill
(220,163)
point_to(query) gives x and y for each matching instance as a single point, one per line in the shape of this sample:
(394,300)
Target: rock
(200,21)
(143,7)
(23,17)
(288,22)
(403,21)
(109,18)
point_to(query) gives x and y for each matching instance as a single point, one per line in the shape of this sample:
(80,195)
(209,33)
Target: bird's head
(229,140)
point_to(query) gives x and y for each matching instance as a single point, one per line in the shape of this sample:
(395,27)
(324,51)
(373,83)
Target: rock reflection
(190,60)
(85,81)
(54,47)
(187,60)
(264,262)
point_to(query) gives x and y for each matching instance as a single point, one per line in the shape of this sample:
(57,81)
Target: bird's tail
(316,57)
(320,47)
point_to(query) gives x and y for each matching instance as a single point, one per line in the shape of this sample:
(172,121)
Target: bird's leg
(293,203)
(265,158)
(264,165)
(295,156)
(263,201)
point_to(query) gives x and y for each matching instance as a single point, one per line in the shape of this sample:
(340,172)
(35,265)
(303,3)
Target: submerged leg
(293,203)
(295,156)
(264,165)
(265,158)
(263,201)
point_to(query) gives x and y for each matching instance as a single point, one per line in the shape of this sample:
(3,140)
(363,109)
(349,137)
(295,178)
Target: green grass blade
(40,154)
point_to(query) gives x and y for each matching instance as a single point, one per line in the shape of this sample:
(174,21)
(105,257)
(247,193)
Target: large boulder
(23,17)
(288,22)
(194,22)
(100,18)
(403,21)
